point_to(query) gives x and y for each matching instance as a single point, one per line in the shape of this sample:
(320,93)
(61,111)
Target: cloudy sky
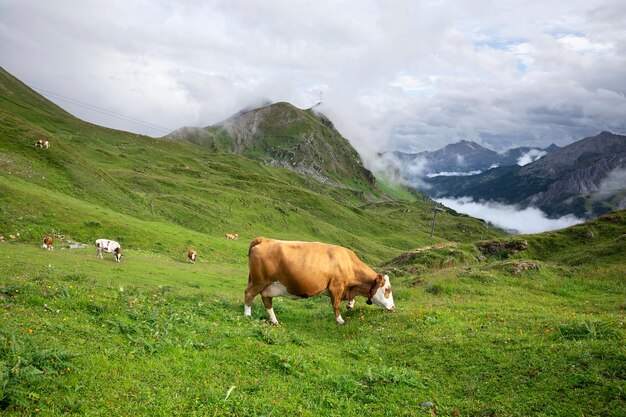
(393,75)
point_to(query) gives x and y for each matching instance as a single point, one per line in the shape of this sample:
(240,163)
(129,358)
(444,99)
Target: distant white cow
(42,144)
(110,246)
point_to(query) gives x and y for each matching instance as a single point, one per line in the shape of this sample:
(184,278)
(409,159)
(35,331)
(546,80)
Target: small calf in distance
(42,144)
(47,243)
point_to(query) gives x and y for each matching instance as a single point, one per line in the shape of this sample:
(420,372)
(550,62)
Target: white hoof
(340,320)
(273,319)
(247,311)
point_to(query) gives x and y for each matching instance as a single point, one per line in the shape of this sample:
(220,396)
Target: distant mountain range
(465,158)
(586,178)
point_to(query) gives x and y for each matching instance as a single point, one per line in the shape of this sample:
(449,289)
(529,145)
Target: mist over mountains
(465,158)
(584,179)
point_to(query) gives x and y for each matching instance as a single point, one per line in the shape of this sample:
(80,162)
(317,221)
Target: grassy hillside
(165,196)
(507,336)
(537,332)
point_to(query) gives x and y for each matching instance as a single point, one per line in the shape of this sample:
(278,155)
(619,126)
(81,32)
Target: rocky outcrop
(502,248)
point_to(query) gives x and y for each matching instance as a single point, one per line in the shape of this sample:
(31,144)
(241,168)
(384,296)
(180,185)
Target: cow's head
(380,293)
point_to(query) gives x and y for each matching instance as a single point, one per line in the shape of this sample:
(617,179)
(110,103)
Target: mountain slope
(164,196)
(282,135)
(582,178)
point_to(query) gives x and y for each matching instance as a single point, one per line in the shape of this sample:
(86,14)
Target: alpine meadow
(486,323)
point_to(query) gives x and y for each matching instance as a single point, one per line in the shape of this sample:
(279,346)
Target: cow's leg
(249,294)
(335,299)
(350,304)
(267,301)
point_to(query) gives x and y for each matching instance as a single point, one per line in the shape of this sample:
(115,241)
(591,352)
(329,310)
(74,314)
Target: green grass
(158,336)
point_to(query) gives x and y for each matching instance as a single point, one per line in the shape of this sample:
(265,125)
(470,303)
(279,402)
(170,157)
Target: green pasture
(156,335)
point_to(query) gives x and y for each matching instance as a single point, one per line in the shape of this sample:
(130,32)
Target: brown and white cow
(192,256)
(110,246)
(42,144)
(303,269)
(231,236)
(47,243)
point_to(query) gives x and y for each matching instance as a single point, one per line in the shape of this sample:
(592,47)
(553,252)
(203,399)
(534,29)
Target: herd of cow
(294,269)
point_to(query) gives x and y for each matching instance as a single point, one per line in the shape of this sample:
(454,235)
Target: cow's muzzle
(392,309)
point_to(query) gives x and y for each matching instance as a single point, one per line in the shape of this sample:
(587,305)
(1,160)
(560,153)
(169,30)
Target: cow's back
(107,245)
(304,268)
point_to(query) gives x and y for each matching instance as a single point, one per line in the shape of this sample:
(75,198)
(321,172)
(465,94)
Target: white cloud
(530,156)
(453,173)
(615,181)
(394,75)
(525,221)
(582,44)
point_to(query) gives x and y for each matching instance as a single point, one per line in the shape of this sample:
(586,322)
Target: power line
(107,112)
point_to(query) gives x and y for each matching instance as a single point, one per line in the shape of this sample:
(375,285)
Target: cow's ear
(380,280)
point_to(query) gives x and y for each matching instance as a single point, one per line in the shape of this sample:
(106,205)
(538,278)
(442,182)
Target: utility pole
(435,209)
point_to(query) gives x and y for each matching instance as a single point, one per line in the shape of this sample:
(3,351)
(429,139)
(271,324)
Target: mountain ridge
(282,135)
(566,181)
(466,157)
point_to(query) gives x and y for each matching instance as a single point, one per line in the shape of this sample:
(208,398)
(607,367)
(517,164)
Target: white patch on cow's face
(383,296)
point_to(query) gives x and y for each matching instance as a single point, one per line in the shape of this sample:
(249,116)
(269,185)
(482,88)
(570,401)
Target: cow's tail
(256,241)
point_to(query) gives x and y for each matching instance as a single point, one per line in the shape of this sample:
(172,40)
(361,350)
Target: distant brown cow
(192,256)
(42,144)
(304,269)
(47,243)
(232,237)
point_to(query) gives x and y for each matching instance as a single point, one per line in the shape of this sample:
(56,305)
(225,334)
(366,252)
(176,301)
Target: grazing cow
(192,256)
(110,246)
(47,243)
(232,237)
(42,144)
(304,269)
